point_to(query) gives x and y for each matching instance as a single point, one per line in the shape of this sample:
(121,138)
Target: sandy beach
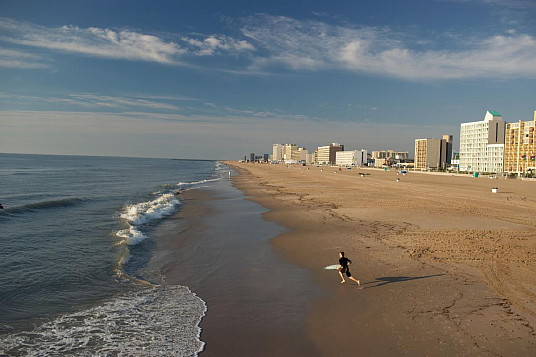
(447,266)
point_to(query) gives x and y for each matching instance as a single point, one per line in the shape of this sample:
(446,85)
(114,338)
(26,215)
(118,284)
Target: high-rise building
(351,158)
(326,155)
(433,153)
(252,157)
(277,153)
(482,144)
(520,147)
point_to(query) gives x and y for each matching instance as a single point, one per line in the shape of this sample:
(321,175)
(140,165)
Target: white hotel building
(351,158)
(482,144)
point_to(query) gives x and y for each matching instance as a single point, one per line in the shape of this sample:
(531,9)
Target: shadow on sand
(396,279)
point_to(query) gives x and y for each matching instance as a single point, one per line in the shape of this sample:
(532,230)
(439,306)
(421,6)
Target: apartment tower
(482,144)
(520,147)
(326,155)
(433,153)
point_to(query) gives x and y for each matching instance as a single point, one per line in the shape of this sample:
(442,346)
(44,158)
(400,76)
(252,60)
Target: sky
(221,79)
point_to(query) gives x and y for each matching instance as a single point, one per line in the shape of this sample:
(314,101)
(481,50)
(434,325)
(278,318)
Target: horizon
(219,81)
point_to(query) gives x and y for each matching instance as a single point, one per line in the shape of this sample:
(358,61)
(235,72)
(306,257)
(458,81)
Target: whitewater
(77,236)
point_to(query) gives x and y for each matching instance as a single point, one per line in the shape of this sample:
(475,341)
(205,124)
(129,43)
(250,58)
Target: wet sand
(219,246)
(448,267)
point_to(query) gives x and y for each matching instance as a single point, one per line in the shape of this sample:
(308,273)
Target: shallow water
(75,234)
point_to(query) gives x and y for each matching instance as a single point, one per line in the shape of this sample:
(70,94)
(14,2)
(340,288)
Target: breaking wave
(156,321)
(137,215)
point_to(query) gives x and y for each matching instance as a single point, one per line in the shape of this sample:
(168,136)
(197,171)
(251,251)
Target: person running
(345,269)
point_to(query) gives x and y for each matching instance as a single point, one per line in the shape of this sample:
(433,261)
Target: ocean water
(76,237)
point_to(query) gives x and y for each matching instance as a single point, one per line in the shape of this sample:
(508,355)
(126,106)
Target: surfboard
(332,267)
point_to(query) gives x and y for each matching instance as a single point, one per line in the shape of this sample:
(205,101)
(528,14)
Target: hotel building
(351,158)
(520,147)
(277,152)
(482,144)
(289,153)
(433,153)
(390,154)
(326,155)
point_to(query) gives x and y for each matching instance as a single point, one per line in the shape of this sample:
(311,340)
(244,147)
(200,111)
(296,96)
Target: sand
(447,265)
(219,246)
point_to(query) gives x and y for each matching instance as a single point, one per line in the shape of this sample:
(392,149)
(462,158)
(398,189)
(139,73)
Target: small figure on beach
(345,269)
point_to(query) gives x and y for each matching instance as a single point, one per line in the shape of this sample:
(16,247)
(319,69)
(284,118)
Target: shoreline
(421,295)
(256,302)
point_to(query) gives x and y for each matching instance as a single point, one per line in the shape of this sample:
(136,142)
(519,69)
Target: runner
(345,269)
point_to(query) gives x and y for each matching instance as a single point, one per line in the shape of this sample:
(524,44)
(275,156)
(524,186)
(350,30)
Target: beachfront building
(482,144)
(520,147)
(351,158)
(290,153)
(277,152)
(390,154)
(389,157)
(433,153)
(326,155)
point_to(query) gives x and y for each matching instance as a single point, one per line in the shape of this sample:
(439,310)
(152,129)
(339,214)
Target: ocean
(78,271)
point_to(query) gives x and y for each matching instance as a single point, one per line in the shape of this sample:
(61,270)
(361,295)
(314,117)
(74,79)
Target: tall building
(277,152)
(433,153)
(351,158)
(482,144)
(326,155)
(520,147)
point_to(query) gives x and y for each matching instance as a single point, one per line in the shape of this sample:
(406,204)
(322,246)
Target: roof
(495,113)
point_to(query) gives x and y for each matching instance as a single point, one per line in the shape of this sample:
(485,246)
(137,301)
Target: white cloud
(215,44)
(92,41)
(87,100)
(20,59)
(310,45)
(116,44)
(121,102)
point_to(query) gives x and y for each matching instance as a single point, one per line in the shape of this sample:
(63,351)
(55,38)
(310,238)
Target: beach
(445,263)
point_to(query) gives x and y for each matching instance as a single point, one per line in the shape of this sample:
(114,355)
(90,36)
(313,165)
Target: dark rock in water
(1,207)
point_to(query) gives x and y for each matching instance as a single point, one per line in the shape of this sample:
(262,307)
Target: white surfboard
(332,267)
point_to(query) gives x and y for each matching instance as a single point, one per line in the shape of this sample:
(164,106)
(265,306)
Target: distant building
(277,152)
(433,153)
(266,157)
(252,157)
(388,157)
(520,147)
(351,158)
(482,144)
(455,162)
(326,155)
(390,154)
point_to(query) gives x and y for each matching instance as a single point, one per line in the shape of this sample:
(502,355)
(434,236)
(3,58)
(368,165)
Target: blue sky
(220,79)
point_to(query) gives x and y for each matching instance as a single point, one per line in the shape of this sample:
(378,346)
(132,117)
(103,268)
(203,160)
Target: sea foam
(137,215)
(156,321)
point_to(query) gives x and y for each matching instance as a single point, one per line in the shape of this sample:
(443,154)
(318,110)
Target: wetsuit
(344,264)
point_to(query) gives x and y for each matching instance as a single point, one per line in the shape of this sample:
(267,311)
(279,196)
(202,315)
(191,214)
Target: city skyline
(214,80)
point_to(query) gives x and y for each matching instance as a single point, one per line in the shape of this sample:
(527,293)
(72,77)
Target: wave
(194,183)
(137,215)
(140,215)
(32,207)
(157,321)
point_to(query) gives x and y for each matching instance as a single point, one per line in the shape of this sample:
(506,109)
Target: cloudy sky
(216,79)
